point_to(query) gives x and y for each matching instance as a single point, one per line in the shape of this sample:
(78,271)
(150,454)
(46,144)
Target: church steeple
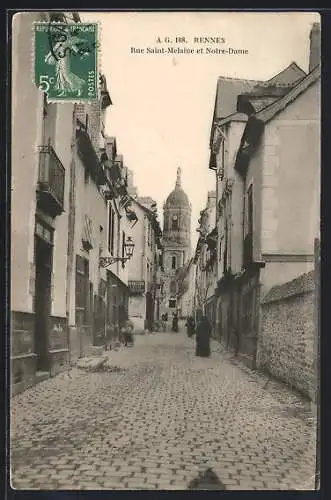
(179,178)
(176,242)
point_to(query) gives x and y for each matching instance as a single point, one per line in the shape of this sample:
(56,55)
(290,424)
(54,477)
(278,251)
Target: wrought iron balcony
(136,287)
(248,249)
(50,189)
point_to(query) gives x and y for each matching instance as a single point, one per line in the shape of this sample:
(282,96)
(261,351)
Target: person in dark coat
(203,332)
(190,326)
(175,322)
(165,321)
(127,333)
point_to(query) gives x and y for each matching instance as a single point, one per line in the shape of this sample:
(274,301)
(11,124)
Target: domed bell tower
(176,239)
(177,215)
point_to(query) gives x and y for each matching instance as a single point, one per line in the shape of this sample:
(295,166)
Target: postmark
(66,60)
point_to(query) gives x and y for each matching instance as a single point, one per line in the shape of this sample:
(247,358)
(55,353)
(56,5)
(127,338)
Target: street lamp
(128,249)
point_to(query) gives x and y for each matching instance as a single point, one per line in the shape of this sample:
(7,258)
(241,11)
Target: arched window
(173,262)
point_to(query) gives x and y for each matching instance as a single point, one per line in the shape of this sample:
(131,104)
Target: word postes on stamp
(66,60)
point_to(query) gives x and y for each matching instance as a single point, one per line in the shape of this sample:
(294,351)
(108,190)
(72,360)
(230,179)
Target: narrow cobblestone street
(160,420)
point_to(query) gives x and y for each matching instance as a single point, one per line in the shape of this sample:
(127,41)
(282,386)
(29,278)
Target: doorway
(149,311)
(43,255)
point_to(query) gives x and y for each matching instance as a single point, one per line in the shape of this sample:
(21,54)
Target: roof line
(149,212)
(141,205)
(240,117)
(238,79)
(269,112)
(293,63)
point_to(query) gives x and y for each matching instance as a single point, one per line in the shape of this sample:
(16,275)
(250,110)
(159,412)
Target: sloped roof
(266,93)
(234,117)
(255,124)
(228,90)
(261,103)
(270,111)
(147,210)
(288,76)
(147,200)
(303,284)
(151,215)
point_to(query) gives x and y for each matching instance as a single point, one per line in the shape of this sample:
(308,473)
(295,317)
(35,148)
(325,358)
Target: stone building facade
(71,224)
(186,288)
(265,153)
(101,225)
(176,243)
(144,267)
(42,141)
(205,261)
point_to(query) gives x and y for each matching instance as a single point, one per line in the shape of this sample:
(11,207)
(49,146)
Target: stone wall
(286,347)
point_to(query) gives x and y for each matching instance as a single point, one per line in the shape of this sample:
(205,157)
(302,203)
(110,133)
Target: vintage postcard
(165,250)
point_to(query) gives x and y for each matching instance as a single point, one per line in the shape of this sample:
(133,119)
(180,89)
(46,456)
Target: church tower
(176,241)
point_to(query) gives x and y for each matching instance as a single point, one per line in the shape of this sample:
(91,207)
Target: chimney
(315,46)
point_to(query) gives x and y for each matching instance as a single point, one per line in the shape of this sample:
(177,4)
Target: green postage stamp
(66,60)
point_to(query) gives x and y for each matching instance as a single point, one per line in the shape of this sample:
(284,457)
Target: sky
(163,103)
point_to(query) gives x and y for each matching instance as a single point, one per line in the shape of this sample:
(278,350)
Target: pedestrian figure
(203,332)
(165,321)
(190,326)
(175,322)
(127,332)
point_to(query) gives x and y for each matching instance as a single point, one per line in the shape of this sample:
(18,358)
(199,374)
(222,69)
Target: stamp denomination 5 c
(66,60)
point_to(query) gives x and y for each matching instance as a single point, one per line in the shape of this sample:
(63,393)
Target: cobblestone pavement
(160,421)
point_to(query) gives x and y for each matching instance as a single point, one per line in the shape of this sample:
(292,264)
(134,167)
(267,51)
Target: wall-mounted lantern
(128,249)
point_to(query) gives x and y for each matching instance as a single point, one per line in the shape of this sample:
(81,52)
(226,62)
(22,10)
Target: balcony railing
(136,287)
(50,181)
(248,249)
